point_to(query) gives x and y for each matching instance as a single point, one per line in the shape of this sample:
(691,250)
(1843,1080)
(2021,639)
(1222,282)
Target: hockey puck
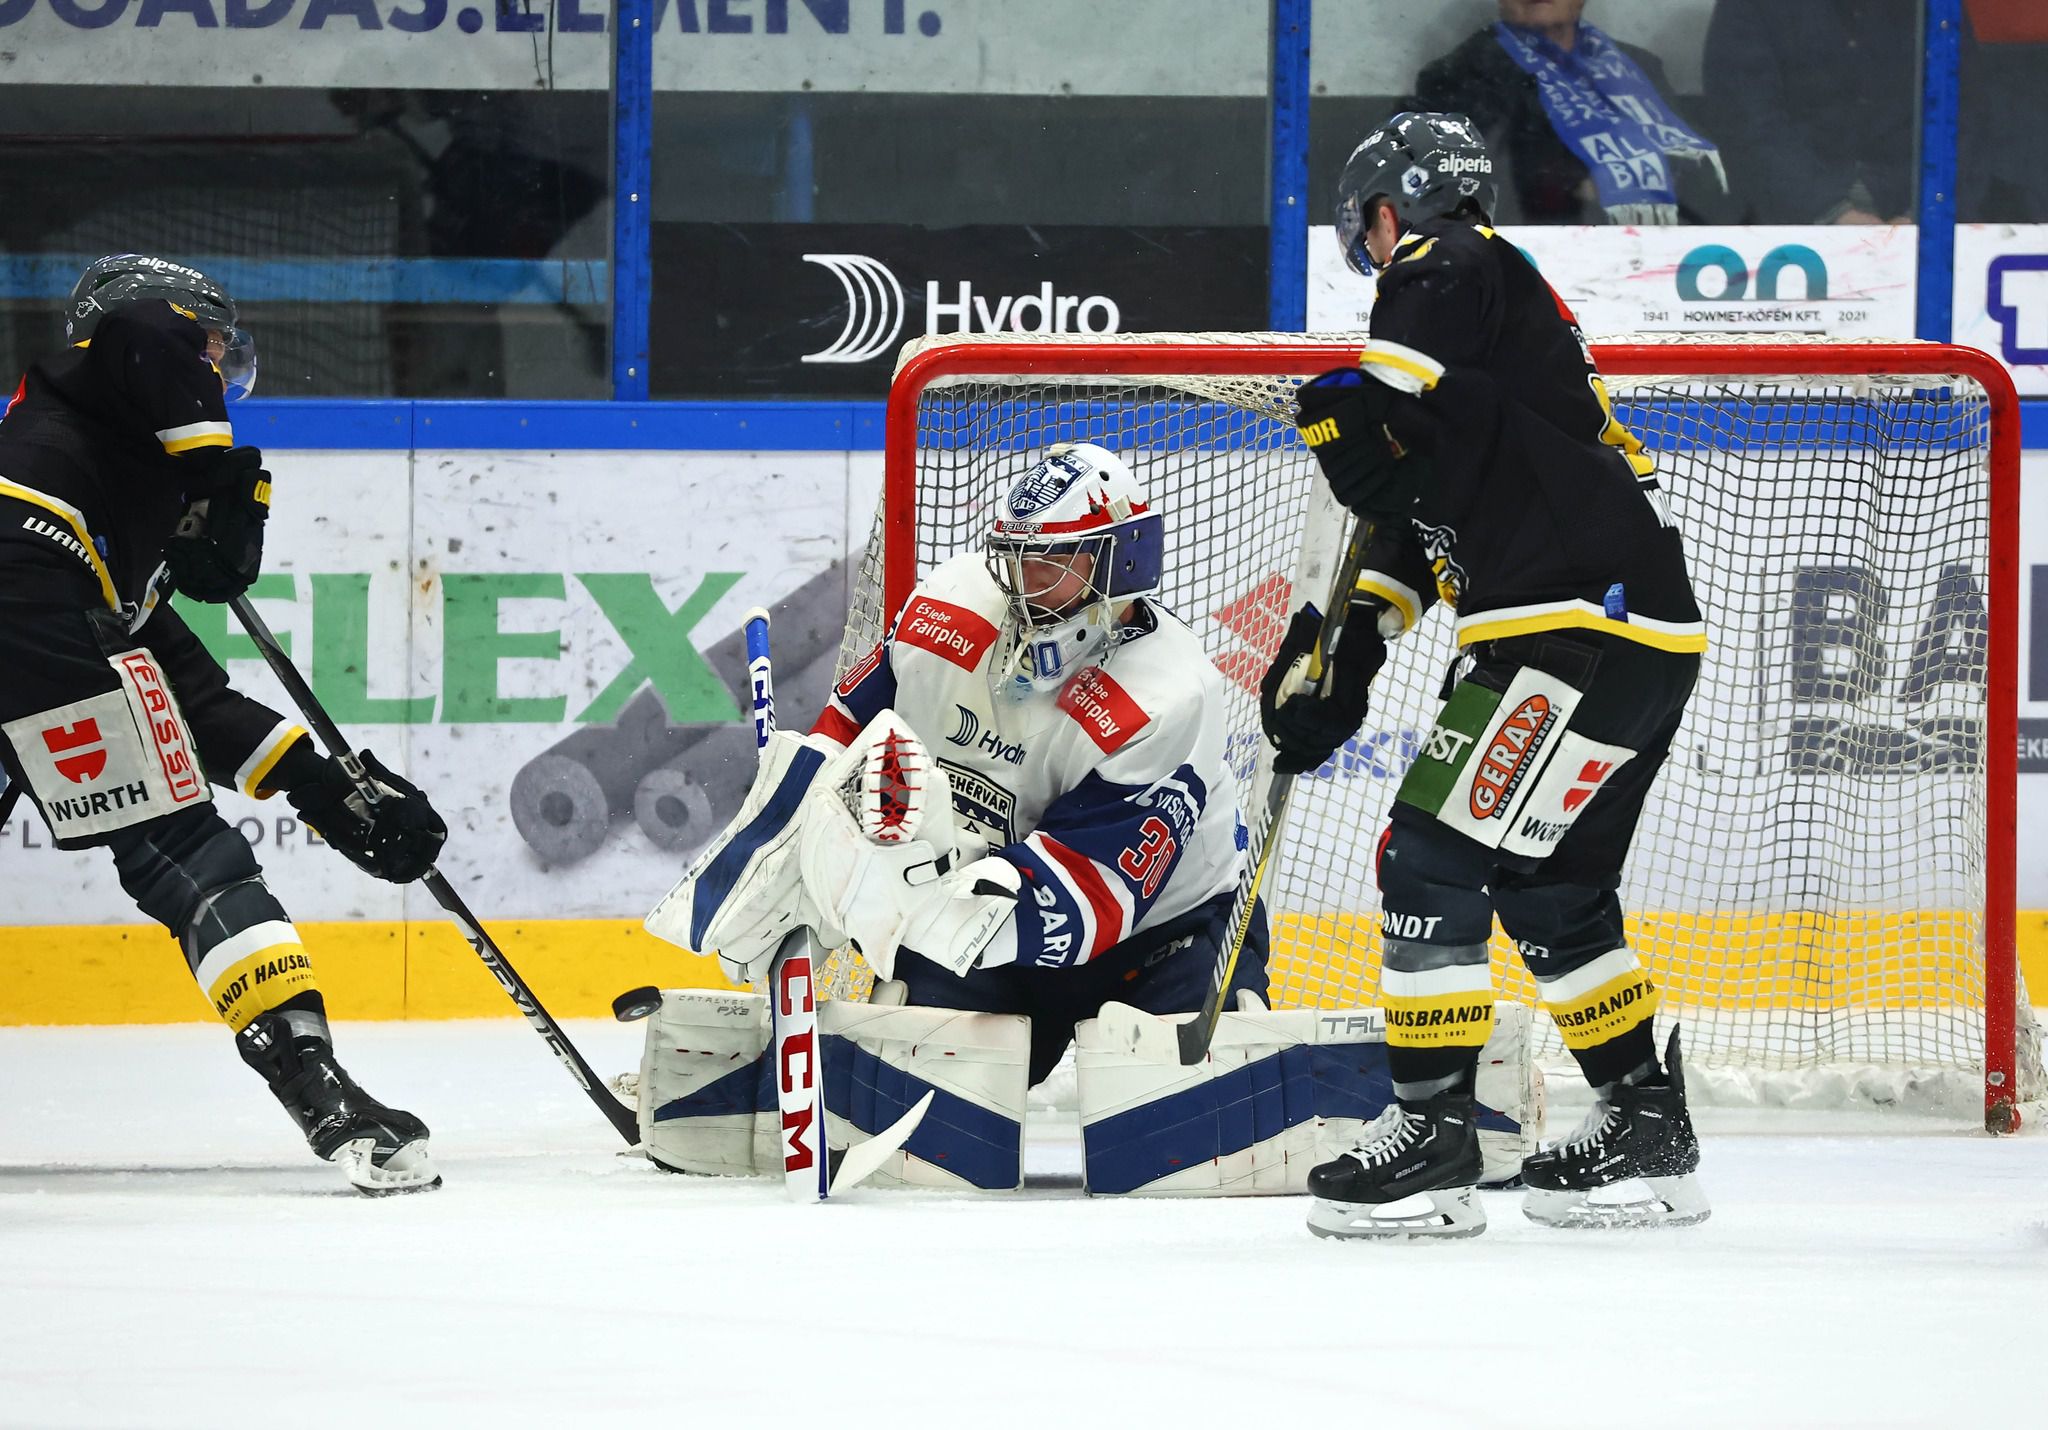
(635,1004)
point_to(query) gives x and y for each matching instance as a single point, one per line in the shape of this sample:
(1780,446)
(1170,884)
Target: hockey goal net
(1823,879)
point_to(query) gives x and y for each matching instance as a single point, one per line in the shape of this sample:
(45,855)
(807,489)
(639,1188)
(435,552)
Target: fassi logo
(875,310)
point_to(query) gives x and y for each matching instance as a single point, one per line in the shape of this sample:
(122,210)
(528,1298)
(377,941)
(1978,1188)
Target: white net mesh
(1808,880)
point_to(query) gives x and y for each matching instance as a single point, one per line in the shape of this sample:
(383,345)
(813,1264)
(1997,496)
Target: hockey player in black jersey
(1477,439)
(119,482)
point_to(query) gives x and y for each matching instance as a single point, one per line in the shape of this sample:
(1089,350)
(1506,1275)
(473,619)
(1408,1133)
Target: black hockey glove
(217,550)
(1343,418)
(1307,725)
(395,839)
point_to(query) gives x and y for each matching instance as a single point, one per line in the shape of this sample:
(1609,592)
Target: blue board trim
(1940,91)
(382,424)
(48,277)
(632,273)
(1287,231)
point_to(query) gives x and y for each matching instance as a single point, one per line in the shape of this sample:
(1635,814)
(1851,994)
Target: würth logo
(80,750)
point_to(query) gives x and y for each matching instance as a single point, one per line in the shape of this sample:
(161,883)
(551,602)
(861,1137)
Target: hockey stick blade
(856,1164)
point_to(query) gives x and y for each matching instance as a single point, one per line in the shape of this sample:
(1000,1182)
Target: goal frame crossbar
(1163,360)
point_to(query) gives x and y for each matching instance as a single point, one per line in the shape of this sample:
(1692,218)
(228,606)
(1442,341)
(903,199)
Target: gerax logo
(876,307)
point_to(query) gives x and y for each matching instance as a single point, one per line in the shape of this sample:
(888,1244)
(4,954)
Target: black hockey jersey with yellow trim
(98,450)
(102,445)
(1542,510)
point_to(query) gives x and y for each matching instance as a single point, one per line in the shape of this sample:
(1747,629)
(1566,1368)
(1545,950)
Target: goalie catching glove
(859,845)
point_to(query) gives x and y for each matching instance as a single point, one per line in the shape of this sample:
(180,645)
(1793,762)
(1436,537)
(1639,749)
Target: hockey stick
(9,793)
(617,1113)
(1197,1033)
(810,1170)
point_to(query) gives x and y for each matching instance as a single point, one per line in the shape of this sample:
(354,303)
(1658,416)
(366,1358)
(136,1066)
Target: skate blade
(1452,1212)
(1639,1202)
(409,1169)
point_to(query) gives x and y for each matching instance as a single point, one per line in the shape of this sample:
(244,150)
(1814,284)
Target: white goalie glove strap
(745,892)
(969,920)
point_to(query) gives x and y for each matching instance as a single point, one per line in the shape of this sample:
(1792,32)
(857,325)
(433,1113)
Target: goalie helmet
(1072,544)
(121,280)
(1425,165)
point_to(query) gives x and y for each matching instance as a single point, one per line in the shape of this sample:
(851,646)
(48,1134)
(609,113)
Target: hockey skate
(1629,1164)
(1410,1175)
(382,1150)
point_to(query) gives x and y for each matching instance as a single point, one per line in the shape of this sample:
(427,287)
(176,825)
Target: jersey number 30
(1146,862)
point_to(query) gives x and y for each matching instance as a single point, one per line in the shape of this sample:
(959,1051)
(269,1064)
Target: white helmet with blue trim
(1073,543)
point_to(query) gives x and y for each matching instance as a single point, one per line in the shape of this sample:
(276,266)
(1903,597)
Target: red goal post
(1940,423)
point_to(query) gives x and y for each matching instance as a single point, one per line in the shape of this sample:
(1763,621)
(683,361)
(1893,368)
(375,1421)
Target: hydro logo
(970,736)
(1735,273)
(2016,295)
(875,310)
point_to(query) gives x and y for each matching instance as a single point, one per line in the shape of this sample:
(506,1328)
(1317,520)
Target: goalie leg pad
(706,1103)
(879,1061)
(707,1099)
(1279,1093)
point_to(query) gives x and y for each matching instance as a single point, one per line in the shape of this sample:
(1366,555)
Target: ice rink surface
(170,1255)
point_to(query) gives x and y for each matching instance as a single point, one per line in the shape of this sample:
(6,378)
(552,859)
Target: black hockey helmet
(1425,165)
(121,279)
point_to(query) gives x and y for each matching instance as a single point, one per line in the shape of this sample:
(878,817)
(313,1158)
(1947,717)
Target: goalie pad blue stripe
(981,1147)
(714,885)
(1240,1109)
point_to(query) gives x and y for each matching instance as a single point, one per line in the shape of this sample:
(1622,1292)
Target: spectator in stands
(1815,104)
(1578,122)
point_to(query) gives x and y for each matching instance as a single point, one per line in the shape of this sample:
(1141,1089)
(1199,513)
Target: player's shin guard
(199,878)
(1602,1007)
(1439,1004)
(1629,1164)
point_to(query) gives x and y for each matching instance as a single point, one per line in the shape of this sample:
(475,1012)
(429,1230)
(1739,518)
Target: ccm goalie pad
(1278,1093)
(708,1104)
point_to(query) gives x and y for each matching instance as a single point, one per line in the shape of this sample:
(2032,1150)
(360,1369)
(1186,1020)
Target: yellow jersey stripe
(263,759)
(75,519)
(1394,593)
(1486,626)
(1405,368)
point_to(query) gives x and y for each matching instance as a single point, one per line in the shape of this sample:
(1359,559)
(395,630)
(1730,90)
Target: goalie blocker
(1280,1091)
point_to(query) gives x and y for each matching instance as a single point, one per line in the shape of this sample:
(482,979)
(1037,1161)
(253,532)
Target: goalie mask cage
(1823,880)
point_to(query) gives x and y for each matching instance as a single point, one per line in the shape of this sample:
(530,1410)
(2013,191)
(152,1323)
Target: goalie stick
(617,1113)
(1197,1033)
(810,1171)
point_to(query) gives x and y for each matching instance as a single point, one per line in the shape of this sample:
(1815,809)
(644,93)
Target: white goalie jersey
(1111,796)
